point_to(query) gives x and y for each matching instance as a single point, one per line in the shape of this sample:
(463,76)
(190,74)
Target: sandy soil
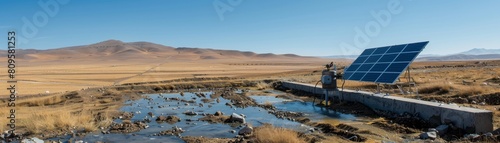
(102,88)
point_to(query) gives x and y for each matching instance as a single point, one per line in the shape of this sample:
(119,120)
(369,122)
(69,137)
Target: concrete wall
(471,119)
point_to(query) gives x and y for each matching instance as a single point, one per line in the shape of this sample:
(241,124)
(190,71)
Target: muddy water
(254,115)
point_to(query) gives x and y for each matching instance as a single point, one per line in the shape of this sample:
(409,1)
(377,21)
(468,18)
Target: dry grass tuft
(438,89)
(262,85)
(270,134)
(467,91)
(268,104)
(44,120)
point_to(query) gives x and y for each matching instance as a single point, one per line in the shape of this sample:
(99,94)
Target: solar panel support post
(326,97)
(409,80)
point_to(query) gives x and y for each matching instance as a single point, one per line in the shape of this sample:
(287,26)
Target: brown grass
(270,134)
(467,91)
(46,120)
(268,104)
(439,89)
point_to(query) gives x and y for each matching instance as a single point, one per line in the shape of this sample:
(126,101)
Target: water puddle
(256,116)
(315,113)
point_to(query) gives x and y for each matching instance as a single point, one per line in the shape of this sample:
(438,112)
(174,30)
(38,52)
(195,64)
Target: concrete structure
(471,119)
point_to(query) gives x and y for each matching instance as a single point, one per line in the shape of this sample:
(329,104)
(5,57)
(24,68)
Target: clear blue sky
(303,27)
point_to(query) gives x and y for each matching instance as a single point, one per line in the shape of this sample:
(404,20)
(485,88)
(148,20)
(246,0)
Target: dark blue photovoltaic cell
(347,75)
(352,68)
(415,47)
(381,50)
(388,58)
(367,52)
(384,64)
(371,77)
(388,77)
(365,67)
(360,60)
(396,49)
(397,67)
(373,59)
(357,76)
(380,67)
(406,57)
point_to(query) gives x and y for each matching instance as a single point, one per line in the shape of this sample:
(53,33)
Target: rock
(442,129)
(432,130)
(150,113)
(472,136)
(218,113)
(232,131)
(246,131)
(177,129)
(79,141)
(428,135)
(32,140)
(161,118)
(191,113)
(170,119)
(489,134)
(236,118)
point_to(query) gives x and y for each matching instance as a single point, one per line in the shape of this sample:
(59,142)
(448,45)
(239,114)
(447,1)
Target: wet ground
(154,105)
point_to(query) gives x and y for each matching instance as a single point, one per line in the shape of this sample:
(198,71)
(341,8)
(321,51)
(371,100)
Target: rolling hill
(114,50)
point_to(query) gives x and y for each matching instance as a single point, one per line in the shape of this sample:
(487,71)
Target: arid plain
(63,89)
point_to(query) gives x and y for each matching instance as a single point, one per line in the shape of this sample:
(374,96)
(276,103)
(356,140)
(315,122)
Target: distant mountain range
(482,51)
(114,50)
(473,54)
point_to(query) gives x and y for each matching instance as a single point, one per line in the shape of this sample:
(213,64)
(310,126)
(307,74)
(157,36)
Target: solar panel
(383,64)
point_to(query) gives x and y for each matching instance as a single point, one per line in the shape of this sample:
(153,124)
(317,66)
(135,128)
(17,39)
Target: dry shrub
(262,85)
(269,134)
(438,89)
(467,91)
(268,104)
(42,101)
(43,120)
(106,121)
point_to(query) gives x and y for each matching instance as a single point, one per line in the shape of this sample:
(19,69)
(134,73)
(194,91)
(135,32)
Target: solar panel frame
(383,64)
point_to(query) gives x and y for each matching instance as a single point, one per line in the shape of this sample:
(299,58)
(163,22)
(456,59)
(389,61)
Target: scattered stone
(32,140)
(428,135)
(218,113)
(236,118)
(246,131)
(174,131)
(472,136)
(150,114)
(127,126)
(169,119)
(190,113)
